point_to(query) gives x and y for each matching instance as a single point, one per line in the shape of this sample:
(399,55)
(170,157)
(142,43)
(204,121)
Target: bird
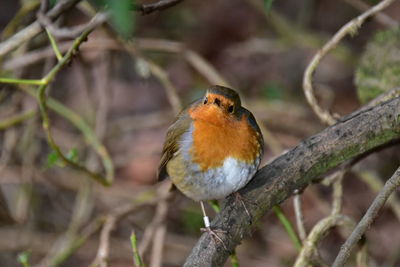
(212,149)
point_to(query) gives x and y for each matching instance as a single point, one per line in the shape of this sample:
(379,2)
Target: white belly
(217,183)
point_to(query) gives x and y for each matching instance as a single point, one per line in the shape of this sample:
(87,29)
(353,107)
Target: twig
(316,234)
(349,28)
(82,125)
(137,259)
(380,17)
(376,184)
(11,27)
(101,259)
(158,246)
(70,32)
(35,28)
(309,248)
(63,247)
(112,218)
(54,45)
(156,6)
(367,219)
(337,194)
(159,217)
(298,211)
(16,119)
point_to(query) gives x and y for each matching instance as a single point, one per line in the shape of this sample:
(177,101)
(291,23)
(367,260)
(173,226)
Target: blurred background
(126,93)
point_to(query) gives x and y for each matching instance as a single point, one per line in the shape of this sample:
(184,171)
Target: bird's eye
(217,102)
(231,109)
(205,101)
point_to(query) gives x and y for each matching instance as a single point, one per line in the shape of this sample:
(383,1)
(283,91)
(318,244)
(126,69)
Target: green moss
(379,67)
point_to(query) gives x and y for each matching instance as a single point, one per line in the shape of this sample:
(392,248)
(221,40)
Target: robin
(212,149)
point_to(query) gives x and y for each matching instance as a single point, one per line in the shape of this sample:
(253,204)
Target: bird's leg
(241,199)
(207,228)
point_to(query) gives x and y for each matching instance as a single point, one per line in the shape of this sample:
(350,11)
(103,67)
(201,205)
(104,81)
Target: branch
(156,6)
(368,218)
(352,136)
(349,28)
(35,28)
(317,233)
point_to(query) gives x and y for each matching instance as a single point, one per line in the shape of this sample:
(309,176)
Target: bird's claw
(214,236)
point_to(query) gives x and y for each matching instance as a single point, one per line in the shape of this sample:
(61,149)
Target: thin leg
(208,229)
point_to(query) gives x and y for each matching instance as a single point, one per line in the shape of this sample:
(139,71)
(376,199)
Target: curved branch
(352,136)
(349,28)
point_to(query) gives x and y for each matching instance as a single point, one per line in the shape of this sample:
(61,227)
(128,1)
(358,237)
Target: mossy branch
(351,137)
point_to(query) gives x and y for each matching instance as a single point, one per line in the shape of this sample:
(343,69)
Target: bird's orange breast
(217,136)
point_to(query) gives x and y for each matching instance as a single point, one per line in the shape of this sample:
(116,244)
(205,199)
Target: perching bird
(213,148)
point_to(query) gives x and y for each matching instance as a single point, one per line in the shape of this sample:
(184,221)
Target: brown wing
(175,131)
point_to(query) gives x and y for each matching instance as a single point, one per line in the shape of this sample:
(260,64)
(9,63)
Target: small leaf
(52,159)
(52,3)
(24,257)
(267,5)
(122,16)
(272,91)
(72,155)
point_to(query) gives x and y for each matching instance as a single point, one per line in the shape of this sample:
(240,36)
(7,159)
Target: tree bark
(354,135)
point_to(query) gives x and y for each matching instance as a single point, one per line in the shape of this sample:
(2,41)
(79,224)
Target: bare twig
(299,215)
(35,28)
(380,17)
(376,184)
(70,32)
(349,28)
(309,248)
(158,219)
(317,233)
(112,218)
(156,6)
(102,255)
(158,246)
(368,218)
(62,248)
(337,195)
(16,119)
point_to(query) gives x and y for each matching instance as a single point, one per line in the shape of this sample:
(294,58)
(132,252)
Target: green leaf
(72,155)
(52,3)
(267,5)
(52,159)
(24,257)
(122,17)
(214,204)
(272,91)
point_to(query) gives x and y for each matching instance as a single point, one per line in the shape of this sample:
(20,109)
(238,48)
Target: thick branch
(352,136)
